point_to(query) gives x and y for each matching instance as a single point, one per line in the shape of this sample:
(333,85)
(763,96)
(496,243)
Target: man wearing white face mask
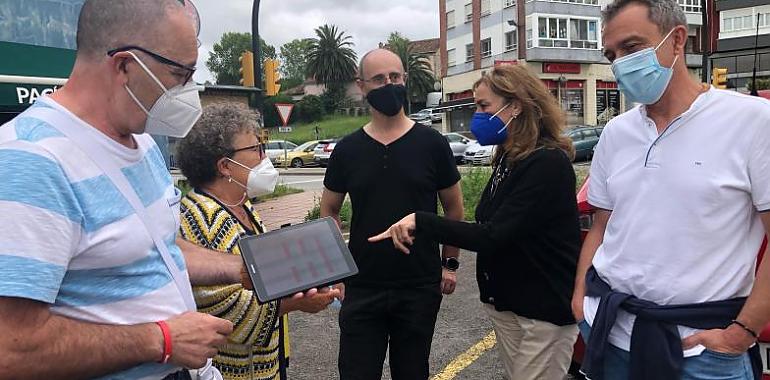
(665,284)
(93,282)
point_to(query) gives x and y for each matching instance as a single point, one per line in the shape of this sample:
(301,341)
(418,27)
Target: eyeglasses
(380,79)
(190,70)
(258,147)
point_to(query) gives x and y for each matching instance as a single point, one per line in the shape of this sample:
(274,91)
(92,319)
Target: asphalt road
(461,325)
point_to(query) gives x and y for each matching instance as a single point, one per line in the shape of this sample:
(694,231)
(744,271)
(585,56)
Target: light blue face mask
(641,77)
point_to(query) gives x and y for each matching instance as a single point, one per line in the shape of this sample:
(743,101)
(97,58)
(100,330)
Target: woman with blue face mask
(526,232)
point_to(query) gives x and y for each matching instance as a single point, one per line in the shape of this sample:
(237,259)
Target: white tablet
(296,258)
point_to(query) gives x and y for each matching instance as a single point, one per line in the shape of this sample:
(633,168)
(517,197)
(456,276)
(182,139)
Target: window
(529,36)
(486,48)
(450,19)
(451,57)
(485,8)
(552,32)
(509,3)
(727,25)
(691,6)
(468,12)
(510,40)
(748,22)
(274,146)
(583,34)
(588,2)
(468,52)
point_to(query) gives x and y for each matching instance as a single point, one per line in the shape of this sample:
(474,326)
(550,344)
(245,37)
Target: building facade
(560,40)
(740,29)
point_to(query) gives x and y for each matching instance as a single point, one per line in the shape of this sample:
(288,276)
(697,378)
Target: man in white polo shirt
(681,184)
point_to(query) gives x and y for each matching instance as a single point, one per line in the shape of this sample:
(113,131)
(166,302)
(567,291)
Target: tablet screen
(296,258)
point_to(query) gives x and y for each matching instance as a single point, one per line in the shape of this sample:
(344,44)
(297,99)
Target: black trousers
(373,318)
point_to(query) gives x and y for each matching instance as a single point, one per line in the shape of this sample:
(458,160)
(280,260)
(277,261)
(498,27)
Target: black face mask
(388,99)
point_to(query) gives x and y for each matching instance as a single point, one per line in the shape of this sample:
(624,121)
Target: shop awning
(33,71)
(454,104)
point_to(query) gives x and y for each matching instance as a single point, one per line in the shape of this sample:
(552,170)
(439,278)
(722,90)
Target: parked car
(459,144)
(278,147)
(584,139)
(323,151)
(586,221)
(299,156)
(426,114)
(477,154)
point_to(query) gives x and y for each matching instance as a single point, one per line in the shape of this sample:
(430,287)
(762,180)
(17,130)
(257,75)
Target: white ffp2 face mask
(262,178)
(175,112)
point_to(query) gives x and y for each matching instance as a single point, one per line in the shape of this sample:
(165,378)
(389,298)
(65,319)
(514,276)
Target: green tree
(223,59)
(294,58)
(420,77)
(331,59)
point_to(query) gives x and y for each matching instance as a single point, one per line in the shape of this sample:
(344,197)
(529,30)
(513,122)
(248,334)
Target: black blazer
(526,235)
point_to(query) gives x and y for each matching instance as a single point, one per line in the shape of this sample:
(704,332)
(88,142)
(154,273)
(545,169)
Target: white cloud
(367,21)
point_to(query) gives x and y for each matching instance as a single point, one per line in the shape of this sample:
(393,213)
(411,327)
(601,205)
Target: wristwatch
(450,263)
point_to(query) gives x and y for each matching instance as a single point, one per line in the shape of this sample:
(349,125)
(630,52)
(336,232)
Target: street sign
(284,129)
(284,110)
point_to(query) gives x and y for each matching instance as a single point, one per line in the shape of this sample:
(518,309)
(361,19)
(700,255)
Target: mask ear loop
(148,71)
(676,57)
(506,124)
(231,179)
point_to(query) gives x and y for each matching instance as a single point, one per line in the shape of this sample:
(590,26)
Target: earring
(229,179)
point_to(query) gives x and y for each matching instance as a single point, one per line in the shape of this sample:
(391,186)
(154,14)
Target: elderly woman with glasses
(225,162)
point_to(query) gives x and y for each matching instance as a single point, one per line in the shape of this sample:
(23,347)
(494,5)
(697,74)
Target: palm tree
(420,77)
(331,59)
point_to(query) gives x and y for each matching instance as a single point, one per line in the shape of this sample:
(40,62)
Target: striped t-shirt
(71,240)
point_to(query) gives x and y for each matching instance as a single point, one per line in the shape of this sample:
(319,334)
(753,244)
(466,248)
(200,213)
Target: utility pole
(256,47)
(754,71)
(705,33)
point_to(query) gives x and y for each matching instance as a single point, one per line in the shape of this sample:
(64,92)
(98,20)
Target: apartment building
(560,40)
(734,36)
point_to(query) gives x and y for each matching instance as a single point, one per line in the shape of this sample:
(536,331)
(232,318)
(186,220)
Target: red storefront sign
(606,85)
(461,95)
(502,62)
(570,84)
(561,68)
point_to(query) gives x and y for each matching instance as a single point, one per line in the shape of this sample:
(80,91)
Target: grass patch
(330,127)
(581,173)
(346,213)
(280,190)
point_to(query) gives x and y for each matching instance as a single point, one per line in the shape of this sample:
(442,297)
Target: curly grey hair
(666,14)
(210,140)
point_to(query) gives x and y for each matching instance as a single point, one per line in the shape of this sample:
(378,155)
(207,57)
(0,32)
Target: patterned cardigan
(258,348)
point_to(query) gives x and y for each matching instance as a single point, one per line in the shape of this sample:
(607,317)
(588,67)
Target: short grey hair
(110,24)
(666,14)
(211,139)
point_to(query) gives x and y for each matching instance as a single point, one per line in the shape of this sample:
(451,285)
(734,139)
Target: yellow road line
(467,358)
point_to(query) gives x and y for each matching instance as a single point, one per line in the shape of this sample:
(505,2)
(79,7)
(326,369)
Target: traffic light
(719,77)
(247,69)
(272,77)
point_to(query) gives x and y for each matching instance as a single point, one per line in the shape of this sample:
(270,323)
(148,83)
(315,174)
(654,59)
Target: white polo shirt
(685,226)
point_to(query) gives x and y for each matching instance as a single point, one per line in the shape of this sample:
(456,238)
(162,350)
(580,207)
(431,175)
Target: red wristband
(166,342)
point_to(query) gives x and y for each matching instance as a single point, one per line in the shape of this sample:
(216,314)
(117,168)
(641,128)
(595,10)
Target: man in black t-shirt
(391,167)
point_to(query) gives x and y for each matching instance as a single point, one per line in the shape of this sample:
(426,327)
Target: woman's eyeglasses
(258,147)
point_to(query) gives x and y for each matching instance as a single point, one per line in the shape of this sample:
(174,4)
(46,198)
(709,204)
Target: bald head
(380,56)
(109,24)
